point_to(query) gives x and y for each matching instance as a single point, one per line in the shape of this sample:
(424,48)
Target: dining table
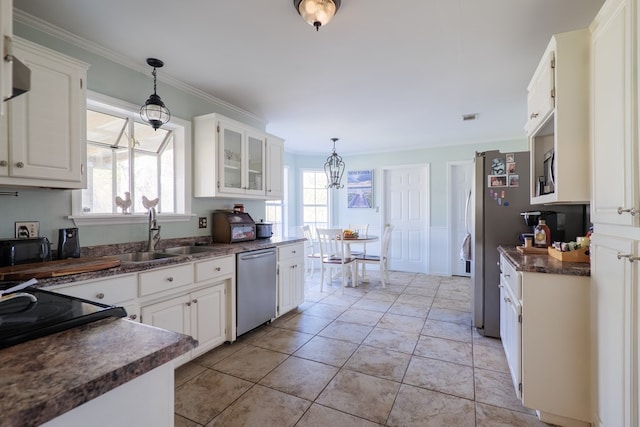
(359,239)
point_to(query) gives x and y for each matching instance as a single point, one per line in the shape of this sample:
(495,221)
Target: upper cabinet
(558,121)
(6,36)
(275,171)
(43,142)
(614,145)
(232,160)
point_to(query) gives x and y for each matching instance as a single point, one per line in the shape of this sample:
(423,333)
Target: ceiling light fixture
(154,111)
(334,168)
(317,12)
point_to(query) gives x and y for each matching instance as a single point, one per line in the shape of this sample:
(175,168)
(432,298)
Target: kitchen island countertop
(533,263)
(46,377)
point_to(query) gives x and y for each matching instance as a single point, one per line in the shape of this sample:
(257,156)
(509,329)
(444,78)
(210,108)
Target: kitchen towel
(465,250)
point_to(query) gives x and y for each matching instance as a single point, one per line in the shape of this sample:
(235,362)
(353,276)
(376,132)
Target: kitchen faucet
(154,230)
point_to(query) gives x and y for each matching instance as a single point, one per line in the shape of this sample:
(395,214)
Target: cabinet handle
(195,301)
(507,275)
(630,257)
(4,163)
(293,252)
(217,269)
(19,165)
(170,279)
(133,317)
(100,295)
(632,211)
(533,115)
(507,300)
(189,304)
(8,47)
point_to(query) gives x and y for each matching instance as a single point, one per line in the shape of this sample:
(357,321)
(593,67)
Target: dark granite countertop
(46,377)
(218,249)
(543,263)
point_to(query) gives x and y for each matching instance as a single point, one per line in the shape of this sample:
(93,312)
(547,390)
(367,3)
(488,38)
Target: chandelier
(154,111)
(317,12)
(334,168)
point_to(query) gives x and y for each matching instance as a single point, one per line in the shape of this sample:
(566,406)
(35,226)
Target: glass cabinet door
(255,163)
(231,153)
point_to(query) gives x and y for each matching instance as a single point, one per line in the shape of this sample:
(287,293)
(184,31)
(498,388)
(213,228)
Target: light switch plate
(27,229)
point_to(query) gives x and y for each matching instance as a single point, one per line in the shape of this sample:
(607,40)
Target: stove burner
(22,320)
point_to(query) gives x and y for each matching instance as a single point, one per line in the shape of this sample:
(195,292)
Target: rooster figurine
(148,204)
(125,203)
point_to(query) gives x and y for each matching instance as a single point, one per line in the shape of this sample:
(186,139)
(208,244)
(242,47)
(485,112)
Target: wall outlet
(202,222)
(27,229)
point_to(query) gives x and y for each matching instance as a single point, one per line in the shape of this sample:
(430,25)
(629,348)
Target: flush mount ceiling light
(317,12)
(154,111)
(334,168)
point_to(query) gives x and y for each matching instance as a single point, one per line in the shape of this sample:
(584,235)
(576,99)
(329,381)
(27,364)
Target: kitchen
(32,200)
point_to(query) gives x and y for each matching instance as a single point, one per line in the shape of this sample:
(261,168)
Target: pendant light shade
(334,168)
(317,12)
(154,111)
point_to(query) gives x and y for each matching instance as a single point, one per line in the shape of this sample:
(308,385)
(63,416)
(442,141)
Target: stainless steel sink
(143,256)
(187,250)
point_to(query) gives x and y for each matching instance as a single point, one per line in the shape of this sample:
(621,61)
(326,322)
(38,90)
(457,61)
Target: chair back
(386,241)
(330,242)
(362,229)
(307,234)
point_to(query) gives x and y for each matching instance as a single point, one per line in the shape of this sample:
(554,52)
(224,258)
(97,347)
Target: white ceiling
(383,75)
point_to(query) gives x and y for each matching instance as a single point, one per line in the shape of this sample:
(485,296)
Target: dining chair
(383,259)
(363,230)
(310,251)
(333,253)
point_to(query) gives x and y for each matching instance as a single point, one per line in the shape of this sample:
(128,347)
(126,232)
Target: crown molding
(66,36)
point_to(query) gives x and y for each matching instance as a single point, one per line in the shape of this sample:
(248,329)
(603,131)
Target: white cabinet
(46,139)
(6,36)
(275,168)
(119,290)
(613,123)
(231,159)
(553,334)
(558,124)
(290,277)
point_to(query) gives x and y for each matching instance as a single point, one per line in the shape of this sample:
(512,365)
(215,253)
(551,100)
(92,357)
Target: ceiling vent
(469,117)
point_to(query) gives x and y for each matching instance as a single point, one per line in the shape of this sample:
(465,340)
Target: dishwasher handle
(252,255)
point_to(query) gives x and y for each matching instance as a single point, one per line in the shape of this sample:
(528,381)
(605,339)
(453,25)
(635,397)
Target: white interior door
(460,180)
(406,207)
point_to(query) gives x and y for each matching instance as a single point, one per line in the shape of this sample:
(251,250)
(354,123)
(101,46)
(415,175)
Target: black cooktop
(36,313)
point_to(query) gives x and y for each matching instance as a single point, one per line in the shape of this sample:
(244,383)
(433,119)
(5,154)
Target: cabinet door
(231,152)
(255,163)
(48,123)
(173,314)
(208,318)
(286,286)
(612,312)
(511,334)
(541,96)
(6,34)
(613,157)
(298,284)
(4,144)
(275,168)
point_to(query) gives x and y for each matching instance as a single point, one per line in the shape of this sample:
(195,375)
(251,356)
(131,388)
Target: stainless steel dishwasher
(256,288)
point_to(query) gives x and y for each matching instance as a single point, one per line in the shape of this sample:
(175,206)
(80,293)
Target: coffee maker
(68,243)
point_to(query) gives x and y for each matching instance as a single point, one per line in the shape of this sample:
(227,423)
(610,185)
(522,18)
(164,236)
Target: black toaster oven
(23,251)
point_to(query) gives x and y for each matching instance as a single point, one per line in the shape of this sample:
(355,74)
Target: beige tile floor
(401,356)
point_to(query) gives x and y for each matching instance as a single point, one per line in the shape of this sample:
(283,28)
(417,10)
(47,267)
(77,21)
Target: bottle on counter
(542,235)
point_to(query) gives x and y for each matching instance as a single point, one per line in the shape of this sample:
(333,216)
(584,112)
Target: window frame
(183,183)
(282,205)
(302,204)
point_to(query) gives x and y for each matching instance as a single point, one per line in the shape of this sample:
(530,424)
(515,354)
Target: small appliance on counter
(231,227)
(23,251)
(264,230)
(68,243)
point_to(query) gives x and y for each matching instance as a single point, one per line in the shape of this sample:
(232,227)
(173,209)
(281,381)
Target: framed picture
(511,157)
(514,180)
(496,180)
(360,189)
(511,167)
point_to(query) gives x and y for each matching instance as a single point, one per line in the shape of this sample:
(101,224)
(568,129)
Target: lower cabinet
(290,277)
(554,349)
(200,314)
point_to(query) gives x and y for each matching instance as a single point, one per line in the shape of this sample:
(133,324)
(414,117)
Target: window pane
(104,128)
(145,178)
(168,179)
(98,197)
(147,139)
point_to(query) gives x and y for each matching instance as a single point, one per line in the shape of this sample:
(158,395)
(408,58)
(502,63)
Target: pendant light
(334,168)
(317,12)
(154,111)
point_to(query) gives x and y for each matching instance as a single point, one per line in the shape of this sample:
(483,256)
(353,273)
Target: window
(315,199)
(275,210)
(131,167)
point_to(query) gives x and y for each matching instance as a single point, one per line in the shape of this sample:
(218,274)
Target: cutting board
(63,267)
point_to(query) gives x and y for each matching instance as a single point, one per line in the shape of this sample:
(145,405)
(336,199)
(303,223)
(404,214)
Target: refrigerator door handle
(466,212)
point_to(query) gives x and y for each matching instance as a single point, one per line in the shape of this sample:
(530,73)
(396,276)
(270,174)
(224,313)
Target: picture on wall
(360,189)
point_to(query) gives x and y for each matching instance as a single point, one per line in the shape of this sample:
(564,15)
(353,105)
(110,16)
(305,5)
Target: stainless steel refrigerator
(500,191)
